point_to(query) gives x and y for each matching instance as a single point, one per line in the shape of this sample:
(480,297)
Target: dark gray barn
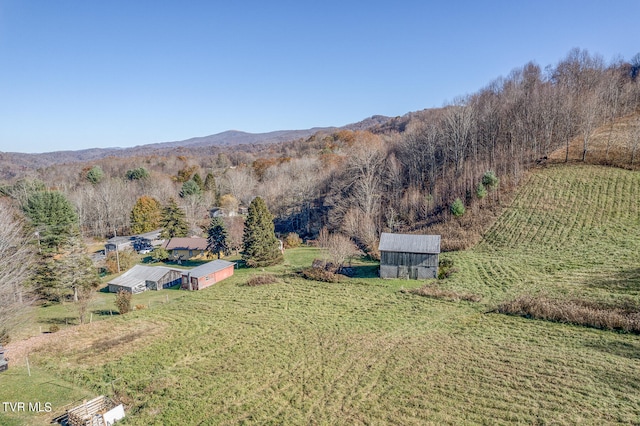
(409,256)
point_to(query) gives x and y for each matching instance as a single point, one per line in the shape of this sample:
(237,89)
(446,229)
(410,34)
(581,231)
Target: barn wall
(114,288)
(224,273)
(408,265)
(408,259)
(185,282)
(170,279)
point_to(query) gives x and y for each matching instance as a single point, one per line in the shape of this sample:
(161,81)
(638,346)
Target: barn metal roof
(209,268)
(409,243)
(139,274)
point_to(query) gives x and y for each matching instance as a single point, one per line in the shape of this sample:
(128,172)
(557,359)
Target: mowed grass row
(571,230)
(302,352)
(363,352)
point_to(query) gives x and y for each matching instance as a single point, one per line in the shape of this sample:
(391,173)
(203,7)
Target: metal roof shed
(409,256)
(141,278)
(206,275)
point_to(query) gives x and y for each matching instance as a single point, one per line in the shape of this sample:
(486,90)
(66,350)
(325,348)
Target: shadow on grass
(627,281)
(60,320)
(623,349)
(105,312)
(362,271)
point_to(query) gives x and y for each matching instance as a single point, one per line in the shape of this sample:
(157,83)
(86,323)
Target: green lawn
(571,230)
(363,352)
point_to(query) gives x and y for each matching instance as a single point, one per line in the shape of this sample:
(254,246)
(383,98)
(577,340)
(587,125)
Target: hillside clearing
(363,352)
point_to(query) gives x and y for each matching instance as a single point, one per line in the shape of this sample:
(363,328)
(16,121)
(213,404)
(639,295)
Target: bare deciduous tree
(16,260)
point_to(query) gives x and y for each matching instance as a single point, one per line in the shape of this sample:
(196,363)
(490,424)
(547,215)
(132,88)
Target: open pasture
(364,352)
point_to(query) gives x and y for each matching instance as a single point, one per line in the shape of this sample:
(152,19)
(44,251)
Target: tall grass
(579,312)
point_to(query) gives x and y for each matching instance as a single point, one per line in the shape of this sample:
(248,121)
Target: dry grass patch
(610,144)
(435,292)
(578,312)
(262,279)
(90,344)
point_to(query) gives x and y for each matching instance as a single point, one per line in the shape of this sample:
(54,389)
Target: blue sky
(84,74)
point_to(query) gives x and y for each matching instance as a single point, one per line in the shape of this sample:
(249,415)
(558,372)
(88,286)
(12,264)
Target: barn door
(413,273)
(403,271)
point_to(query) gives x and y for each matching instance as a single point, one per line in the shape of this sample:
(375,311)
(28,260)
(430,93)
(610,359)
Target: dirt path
(18,351)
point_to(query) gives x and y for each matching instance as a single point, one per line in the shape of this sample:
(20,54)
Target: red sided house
(206,275)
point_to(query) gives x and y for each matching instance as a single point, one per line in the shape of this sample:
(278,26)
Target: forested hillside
(401,174)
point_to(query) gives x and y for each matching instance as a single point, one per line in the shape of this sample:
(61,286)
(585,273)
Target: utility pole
(117,247)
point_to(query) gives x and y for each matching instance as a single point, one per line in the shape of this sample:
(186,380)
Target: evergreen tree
(146,215)
(260,245)
(190,188)
(198,180)
(173,221)
(481,191)
(457,208)
(209,182)
(53,218)
(217,237)
(95,175)
(137,174)
(76,268)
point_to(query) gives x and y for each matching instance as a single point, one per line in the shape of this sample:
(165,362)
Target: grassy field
(571,230)
(364,352)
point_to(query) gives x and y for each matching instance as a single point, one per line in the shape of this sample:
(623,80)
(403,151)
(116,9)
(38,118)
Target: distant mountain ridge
(228,139)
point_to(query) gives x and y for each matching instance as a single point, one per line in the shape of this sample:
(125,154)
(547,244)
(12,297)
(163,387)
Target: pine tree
(95,175)
(76,268)
(198,180)
(137,174)
(217,237)
(190,187)
(146,215)
(173,221)
(53,218)
(209,182)
(260,245)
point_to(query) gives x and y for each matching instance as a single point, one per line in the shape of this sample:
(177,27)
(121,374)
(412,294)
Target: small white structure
(100,411)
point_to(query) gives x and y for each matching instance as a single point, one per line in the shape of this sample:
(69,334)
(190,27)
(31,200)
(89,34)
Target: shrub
(160,254)
(457,208)
(123,301)
(54,328)
(319,274)
(445,269)
(262,279)
(490,180)
(481,191)
(4,337)
(292,240)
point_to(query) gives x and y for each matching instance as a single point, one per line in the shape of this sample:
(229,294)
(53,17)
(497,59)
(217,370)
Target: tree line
(404,176)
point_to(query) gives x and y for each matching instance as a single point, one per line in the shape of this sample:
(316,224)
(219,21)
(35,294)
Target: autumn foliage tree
(146,215)
(260,245)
